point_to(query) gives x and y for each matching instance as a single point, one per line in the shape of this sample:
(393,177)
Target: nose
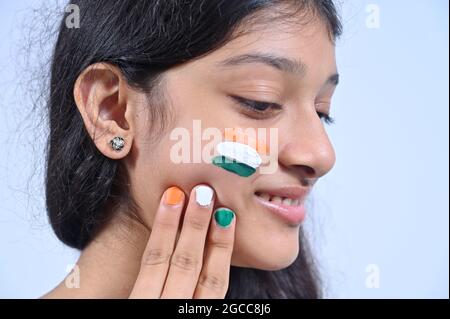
(305,146)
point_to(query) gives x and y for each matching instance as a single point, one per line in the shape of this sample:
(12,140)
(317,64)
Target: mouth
(286,203)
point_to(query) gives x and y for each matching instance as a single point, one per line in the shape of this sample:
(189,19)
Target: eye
(326,118)
(257,106)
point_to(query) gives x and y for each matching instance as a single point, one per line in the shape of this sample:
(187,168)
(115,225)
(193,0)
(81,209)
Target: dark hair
(145,38)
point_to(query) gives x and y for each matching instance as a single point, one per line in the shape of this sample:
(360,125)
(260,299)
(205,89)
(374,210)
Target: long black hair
(145,38)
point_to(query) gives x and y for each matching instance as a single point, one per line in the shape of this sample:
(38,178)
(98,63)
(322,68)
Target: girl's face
(292,69)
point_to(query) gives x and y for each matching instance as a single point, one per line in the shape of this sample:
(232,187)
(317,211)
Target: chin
(279,263)
(269,258)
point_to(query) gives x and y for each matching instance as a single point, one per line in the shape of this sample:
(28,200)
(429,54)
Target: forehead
(307,43)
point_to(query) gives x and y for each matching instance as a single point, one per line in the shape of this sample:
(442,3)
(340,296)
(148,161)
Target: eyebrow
(280,63)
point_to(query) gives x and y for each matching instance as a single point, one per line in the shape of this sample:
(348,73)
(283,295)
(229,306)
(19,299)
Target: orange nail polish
(173,196)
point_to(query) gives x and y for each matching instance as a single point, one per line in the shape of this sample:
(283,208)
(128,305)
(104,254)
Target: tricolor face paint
(237,157)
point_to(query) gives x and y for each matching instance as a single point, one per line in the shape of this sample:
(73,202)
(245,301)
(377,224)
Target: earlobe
(101,95)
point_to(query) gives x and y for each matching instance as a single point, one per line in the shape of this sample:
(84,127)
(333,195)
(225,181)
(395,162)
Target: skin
(113,265)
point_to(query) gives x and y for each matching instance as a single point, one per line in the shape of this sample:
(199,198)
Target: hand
(198,264)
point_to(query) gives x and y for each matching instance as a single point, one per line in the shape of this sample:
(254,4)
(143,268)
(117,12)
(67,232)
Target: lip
(293,215)
(292,192)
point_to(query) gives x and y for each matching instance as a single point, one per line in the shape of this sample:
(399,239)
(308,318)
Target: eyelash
(261,107)
(257,106)
(326,118)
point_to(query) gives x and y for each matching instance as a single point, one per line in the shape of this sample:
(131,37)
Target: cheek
(231,190)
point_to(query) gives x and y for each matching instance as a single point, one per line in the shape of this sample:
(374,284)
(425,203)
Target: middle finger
(187,259)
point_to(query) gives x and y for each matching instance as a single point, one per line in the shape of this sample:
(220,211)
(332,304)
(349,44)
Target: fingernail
(224,217)
(173,196)
(204,195)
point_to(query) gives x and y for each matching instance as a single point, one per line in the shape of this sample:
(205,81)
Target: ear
(102,97)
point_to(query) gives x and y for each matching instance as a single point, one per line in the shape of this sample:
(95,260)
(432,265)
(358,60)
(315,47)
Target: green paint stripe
(230,165)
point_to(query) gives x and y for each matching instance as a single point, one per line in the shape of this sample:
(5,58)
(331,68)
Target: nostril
(306,172)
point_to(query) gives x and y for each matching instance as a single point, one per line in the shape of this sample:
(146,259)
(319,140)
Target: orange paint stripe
(238,135)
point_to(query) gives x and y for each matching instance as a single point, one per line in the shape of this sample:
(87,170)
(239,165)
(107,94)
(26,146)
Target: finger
(215,274)
(156,258)
(186,261)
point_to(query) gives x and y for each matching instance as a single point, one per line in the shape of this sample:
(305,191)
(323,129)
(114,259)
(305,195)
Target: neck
(109,265)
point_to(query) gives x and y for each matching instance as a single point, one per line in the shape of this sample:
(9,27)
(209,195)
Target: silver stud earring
(117,143)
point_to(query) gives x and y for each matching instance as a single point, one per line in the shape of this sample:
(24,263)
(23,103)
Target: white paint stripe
(240,152)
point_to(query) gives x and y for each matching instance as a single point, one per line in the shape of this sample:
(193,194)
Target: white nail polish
(204,195)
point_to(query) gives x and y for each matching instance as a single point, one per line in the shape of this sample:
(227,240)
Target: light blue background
(386,202)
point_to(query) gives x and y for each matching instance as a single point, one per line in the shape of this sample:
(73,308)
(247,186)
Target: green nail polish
(224,217)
